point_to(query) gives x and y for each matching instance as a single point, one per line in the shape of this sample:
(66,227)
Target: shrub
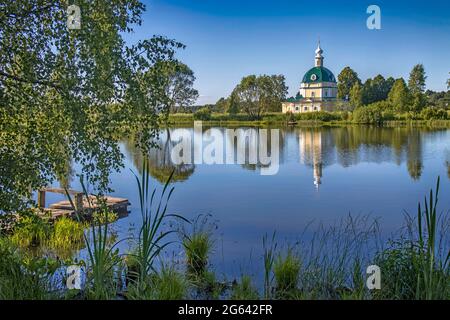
(203,114)
(430,113)
(31,230)
(318,116)
(388,115)
(370,114)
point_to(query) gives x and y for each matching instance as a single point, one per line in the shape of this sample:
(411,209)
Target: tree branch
(19,79)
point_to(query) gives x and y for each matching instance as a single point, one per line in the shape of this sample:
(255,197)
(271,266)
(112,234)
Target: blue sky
(227,40)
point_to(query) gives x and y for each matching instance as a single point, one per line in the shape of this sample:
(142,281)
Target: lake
(324,175)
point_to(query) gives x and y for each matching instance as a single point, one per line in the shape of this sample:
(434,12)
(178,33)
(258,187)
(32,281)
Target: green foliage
(179,87)
(244,290)
(433,280)
(286,271)
(104,216)
(418,102)
(233,104)
(370,114)
(399,96)
(222,105)
(167,284)
(259,94)
(103,256)
(197,245)
(203,114)
(411,266)
(439,100)
(23,277)
(67,234)
(356,95)
(434,114)
(347,79)
(170,284)
(268,258)
(103,259)
(318,116)
(417,78)
(197,248)
(57,87)
(152,239)
(400,270)
(31,230)
(376,89)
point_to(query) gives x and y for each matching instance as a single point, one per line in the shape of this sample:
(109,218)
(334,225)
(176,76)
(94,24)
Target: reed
(103,257)
(152,238)
(286,270)
(433,280)
(269,258)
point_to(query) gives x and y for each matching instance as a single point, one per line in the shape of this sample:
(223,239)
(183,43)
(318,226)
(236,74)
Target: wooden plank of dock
(82,203)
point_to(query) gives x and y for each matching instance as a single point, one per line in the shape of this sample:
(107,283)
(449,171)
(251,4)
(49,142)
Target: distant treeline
(257,95)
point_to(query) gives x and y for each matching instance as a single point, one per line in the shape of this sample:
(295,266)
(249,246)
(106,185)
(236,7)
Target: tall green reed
(152,238)
(269,258)
(433,279)
(103,257)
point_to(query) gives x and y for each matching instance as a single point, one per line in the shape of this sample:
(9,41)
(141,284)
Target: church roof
(297,98)
(318,74)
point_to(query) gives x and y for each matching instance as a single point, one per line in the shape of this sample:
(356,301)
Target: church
(318,89)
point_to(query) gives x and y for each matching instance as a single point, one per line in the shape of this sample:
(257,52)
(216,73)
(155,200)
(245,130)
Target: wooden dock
(82,204)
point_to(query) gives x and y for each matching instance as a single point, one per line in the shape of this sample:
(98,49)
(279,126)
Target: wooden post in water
(78,201)
(41,199)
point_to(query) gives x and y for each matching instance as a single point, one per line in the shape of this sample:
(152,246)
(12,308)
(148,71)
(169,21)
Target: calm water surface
(324,174)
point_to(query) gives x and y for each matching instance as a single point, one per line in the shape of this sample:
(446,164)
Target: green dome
(318,74)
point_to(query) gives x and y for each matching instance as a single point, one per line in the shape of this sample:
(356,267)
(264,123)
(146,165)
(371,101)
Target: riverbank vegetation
(372,115)
(376,101)
(331,265)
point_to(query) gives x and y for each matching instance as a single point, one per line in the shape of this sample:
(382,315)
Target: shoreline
(177,120)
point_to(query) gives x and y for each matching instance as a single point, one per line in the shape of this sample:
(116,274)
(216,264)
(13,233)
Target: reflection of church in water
(311,150)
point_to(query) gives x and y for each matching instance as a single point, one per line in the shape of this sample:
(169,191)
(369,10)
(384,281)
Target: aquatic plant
(24,277)
(197,248)
(332,258)
(286,270)
(152,239)
(104,216)
(103,257)
(67,234)
(244,290)
(400,271)
(416,267)
(433,281)
(269,257)
(31,230)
